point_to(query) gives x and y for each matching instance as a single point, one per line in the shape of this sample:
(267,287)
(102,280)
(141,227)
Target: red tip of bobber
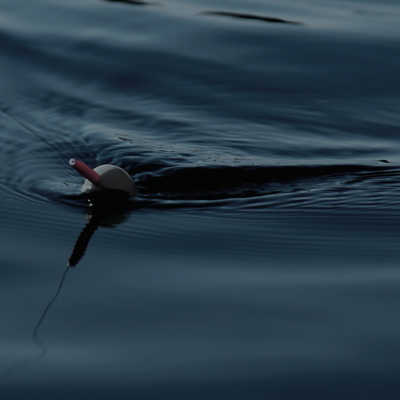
(84,170)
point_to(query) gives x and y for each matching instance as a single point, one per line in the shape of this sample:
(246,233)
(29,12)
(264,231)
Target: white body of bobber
(104,178)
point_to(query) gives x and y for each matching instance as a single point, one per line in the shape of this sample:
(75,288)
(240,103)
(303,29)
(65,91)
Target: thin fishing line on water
(28,129)
(40,344)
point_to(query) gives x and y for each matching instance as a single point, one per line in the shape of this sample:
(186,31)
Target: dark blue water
(261,257)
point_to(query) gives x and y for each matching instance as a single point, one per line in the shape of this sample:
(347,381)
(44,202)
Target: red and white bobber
(106,178)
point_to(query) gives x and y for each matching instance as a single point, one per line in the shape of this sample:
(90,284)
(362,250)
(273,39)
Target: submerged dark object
(251,16)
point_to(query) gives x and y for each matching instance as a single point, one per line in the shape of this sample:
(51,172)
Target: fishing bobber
(106,179)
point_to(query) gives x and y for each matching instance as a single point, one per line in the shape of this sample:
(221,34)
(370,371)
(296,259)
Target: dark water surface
(261,257)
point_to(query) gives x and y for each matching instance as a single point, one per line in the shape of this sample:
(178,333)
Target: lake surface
(260,259)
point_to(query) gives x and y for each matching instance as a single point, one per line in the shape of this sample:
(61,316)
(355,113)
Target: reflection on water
(106,211)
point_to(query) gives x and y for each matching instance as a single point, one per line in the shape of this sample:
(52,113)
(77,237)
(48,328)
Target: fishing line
(26,128)
(35,336)
(41,345)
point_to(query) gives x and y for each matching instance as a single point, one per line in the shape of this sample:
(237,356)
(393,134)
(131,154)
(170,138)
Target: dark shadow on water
(134,2)
(228,183)
(250,17)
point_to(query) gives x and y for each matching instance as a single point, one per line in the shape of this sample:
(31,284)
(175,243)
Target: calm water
(261,258)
